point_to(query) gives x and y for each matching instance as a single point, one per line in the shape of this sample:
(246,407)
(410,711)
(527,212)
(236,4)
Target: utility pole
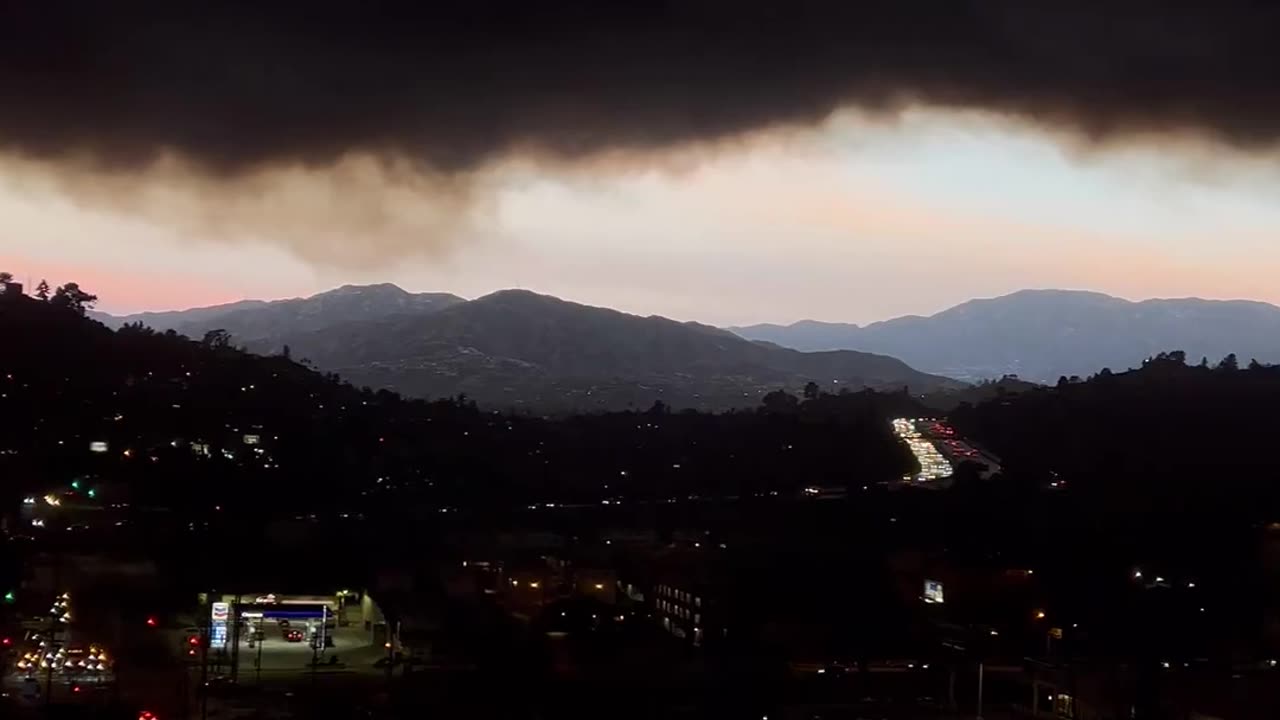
(53,628)
(235,638)
(207,623)
(48,678)
(317,642)
(324,622)
(951,688)
(979,691)
(391,653)
(259,636)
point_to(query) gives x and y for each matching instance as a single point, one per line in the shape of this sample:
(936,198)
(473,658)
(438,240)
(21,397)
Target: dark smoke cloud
(363,132)
(453,85)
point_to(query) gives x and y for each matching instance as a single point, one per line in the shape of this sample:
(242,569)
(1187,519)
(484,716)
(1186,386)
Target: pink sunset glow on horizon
(855,224)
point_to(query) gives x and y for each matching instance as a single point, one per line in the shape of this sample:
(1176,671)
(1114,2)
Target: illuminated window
(1064,705)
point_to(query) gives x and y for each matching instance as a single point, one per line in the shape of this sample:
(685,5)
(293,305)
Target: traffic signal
(93,493)
(146,715)
(10,598)
(152,622)
(75,484)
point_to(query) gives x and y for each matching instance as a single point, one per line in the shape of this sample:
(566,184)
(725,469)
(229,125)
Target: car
(293,635)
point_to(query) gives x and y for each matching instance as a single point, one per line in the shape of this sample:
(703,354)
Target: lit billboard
(933,592)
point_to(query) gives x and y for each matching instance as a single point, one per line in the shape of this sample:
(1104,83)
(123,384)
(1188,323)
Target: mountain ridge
(257,320)
(518,348)
(1041,334)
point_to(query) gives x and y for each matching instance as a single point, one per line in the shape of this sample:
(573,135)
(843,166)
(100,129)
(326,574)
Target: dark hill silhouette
(516,348)
(1040,335)
(174,413)
(258,322)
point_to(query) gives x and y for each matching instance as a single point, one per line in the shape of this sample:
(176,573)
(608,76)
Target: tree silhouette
(216,339)
(42,290)
(780,401)
(6,278)
(1229,363)
(70,296)
(811,390)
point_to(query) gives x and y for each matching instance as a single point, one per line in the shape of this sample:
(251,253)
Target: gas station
(254,634)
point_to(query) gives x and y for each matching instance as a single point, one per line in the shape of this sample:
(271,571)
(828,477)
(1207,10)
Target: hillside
(519,349)
(1040,335)
(174,414)
(255,322)
(1166,434)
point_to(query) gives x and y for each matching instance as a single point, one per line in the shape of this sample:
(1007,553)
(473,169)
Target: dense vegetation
(515,349)
(1151,494)
(1165,469)
(175,414)
(1166,437)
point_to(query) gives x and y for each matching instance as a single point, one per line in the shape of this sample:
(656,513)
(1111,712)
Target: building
(681,610)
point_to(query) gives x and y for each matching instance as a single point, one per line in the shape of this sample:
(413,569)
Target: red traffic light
(146,715)
(151,622)
(6,642)
(75,688)
(193,640)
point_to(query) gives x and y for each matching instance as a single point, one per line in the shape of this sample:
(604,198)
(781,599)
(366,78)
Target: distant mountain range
(515,348)
(260,322)
(1041,335)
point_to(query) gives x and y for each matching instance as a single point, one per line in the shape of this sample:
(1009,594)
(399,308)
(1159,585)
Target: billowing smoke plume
(246,102)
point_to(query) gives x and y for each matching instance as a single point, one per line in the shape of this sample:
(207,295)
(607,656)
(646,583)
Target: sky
(729,161)
(852,221)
